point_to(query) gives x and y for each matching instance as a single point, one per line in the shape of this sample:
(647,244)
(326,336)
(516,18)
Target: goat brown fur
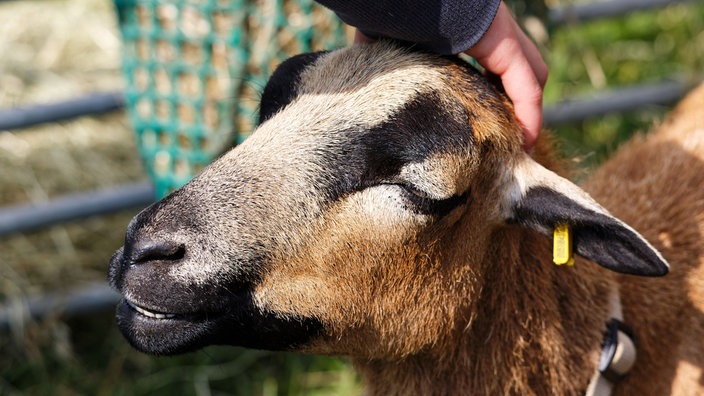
(379,212)
(656,184)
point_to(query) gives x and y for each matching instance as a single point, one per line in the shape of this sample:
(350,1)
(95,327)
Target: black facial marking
(422,128)
(281,87)
(596,236)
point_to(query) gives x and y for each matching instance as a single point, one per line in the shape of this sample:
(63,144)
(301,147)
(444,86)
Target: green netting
(194,70)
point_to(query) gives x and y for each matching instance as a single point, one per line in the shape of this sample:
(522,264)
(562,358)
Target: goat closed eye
(422,203)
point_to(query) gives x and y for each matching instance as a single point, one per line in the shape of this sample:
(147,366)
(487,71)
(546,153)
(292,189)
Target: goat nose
(150,251)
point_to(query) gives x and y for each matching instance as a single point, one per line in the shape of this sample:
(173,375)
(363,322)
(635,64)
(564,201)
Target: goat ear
(281,87)
(540,200)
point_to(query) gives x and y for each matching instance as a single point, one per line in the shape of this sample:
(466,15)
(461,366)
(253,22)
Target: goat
(385,210)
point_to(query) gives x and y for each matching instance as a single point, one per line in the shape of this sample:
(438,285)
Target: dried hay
(54,51)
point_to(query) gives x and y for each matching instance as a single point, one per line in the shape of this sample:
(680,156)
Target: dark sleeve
(442,26)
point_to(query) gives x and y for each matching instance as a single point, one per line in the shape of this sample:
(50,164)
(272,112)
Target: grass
(638,48)
(77,51)
(87,356)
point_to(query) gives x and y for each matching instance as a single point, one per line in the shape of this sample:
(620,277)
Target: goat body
(385,210)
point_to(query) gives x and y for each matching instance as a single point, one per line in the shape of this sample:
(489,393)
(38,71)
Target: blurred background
(58,50)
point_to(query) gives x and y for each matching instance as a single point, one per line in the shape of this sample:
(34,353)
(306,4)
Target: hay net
(194,70)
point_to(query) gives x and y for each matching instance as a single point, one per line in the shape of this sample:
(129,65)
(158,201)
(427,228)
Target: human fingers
(526,92)
(533,55)
(506,51)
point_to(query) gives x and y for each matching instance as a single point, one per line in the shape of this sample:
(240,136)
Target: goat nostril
(158,251)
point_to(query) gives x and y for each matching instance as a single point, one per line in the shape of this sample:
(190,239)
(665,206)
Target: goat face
(345,223)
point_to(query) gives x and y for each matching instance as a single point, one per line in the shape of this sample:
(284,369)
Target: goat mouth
(161,331)
(165,333)
(143,312)
(149,313)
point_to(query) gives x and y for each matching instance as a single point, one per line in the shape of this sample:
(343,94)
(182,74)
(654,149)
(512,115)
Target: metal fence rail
(622,100)
(88,105)
(30,217)
(97,297)
(578,13)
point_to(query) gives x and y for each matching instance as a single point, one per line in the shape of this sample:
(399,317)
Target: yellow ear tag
(562,245)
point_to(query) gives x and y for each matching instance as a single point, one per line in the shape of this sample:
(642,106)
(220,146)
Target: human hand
(507,52)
